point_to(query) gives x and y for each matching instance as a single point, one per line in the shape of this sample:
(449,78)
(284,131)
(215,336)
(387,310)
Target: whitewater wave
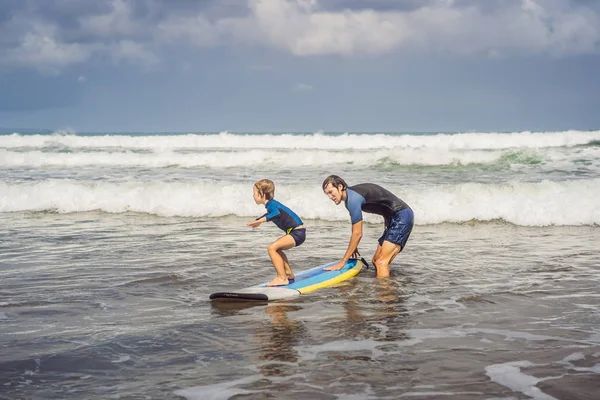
(228,159)
(295,158)
(521,203)
(317,141)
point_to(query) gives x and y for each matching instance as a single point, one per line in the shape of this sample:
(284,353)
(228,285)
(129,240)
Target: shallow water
(96,305)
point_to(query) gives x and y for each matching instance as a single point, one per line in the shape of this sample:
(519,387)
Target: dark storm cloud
(485,6)
(56,33)
(76,21)
(376,5)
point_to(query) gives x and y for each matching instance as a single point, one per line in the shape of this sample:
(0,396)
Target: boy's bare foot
(278,282)
(291,277)
(289,273)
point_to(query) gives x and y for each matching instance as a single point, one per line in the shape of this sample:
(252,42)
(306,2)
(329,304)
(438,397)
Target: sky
(300,65)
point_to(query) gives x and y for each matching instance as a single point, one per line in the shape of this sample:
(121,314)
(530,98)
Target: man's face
(334,193)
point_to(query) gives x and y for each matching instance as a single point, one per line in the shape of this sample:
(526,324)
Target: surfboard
(304,282)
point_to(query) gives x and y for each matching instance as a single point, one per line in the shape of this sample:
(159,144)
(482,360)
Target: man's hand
(254,224)
(335,267)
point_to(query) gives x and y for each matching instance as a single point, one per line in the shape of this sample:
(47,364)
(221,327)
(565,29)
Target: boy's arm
(257,221)
(272,214)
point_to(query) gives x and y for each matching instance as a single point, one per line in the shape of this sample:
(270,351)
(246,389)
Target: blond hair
(265,187)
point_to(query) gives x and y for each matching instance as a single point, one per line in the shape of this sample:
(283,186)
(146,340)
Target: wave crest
(521,203)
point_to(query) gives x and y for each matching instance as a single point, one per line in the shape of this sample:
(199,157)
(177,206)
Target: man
(371,198)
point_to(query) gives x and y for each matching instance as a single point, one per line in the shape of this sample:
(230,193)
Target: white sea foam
(245,158)
(218,391)
(510,375)
(521,203)
(549,151)
(228,389)
(460,141)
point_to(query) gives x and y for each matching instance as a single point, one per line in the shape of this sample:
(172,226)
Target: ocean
(111,244)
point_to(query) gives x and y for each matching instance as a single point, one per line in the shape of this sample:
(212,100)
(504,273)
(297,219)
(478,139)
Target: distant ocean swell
(220,158)
(283,158)
(545,203)
(324,141)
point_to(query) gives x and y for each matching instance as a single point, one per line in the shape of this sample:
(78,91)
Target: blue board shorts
(299,235)
(399,228)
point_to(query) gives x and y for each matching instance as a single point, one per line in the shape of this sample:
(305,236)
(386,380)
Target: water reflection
(374,310)
(231,308)
(277,339)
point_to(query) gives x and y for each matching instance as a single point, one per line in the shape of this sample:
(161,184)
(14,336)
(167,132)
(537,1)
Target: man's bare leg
(283,243)
(376,256)
(383,258)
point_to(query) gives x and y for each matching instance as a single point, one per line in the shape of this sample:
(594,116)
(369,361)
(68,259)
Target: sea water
(111,244)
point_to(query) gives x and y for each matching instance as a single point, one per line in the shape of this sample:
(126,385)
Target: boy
(286,220)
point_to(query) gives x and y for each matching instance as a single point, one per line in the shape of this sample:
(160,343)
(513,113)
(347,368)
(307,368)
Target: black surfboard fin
(364,262)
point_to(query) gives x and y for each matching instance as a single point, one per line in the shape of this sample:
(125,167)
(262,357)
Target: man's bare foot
(279,282)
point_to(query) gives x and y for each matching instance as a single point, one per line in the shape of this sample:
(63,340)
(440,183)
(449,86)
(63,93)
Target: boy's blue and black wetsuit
(286,220)
(372,198)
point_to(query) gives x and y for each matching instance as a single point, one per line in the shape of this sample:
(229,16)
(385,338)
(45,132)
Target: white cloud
(81,79)
(301,28)
(524,27)
(289,26)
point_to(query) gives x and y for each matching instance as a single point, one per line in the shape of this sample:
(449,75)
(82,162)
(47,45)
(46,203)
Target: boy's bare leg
(286,265)
(283,243)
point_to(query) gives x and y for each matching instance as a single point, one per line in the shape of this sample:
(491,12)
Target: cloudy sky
(300,65)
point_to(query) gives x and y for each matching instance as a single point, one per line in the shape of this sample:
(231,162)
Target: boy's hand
(254,224)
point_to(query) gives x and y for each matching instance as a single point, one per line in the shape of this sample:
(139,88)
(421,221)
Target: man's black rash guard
(374,199)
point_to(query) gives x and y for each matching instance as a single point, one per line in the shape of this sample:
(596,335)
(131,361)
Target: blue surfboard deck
(303,282)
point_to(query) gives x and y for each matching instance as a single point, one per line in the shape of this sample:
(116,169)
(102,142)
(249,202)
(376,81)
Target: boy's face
(334,193)
(258,198)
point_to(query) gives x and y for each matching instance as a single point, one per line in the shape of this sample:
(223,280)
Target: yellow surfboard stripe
(340,278)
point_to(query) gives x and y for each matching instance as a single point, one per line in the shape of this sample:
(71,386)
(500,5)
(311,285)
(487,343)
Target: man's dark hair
(335,182)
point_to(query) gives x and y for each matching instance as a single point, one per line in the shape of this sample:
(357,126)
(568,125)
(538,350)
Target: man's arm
(354,240)
(352,246)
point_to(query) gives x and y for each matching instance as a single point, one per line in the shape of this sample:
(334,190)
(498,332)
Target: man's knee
(382,266)
(381,262)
